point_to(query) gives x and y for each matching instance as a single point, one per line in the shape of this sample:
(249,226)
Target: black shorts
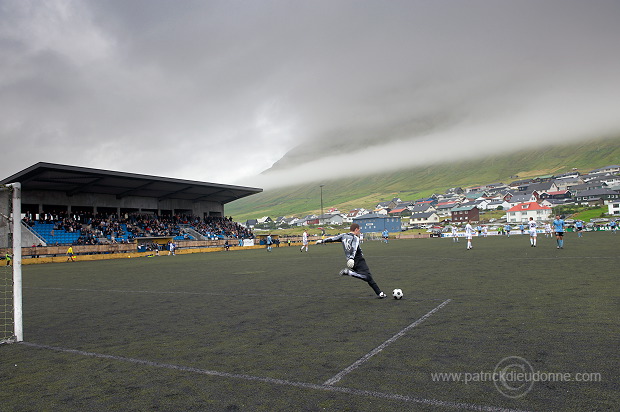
(559,233)
(361,266)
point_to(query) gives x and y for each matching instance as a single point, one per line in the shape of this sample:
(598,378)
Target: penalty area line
(275,381)
(334,379)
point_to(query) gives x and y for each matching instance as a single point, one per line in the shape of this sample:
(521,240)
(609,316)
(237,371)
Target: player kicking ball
(356,264)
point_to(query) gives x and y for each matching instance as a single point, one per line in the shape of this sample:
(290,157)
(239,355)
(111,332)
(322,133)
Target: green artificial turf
(253,330)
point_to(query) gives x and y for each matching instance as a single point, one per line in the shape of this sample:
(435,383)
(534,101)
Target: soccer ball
(397,293)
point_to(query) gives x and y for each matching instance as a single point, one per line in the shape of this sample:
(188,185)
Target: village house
(521,198)
(385,207)
(475,195)
(400,211)
(520,185)
(444,208)
(560,194)
(331,219)
(543,187)
(465,213)
(556,202)
(474,189)
(523,211)
(422,208)
(292,221)
(430,201)
(607,169)
(605,181)
(374,222)
(568,183)
(613,208)
(568,175)
(496,204)
(348,217)
(308,220)
(454,191)
(597,184)
(596,197)
(404,205)
(423,218)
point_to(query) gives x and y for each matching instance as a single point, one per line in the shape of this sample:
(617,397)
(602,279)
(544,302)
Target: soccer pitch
(251,330)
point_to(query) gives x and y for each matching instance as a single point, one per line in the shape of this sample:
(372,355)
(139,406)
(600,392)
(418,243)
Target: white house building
(423,218)
(606,169)
(614,208)
(331,219)
(523,211)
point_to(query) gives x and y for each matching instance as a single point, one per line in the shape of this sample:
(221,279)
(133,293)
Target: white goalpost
(11,321)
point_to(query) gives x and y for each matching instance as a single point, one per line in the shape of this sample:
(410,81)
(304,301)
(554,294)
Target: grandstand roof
(73,180)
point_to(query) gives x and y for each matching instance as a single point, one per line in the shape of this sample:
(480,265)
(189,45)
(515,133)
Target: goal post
(11,316)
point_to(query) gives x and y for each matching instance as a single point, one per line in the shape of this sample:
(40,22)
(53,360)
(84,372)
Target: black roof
(73,180)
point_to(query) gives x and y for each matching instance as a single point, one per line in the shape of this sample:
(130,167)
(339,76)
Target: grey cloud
(221,90)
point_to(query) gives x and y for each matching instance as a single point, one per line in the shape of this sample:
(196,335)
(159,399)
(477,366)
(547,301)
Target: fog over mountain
(272,93)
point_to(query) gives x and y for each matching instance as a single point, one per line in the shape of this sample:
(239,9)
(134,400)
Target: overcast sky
(218,91)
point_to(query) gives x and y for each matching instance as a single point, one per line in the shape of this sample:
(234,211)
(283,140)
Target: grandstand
(97,230)
(70,205)
(51,235)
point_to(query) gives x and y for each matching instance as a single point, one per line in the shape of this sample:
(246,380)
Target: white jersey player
(547,229)
(469,234)
(532,229)
(304,241)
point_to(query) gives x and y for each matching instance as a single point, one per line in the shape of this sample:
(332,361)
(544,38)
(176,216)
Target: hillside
(367,191)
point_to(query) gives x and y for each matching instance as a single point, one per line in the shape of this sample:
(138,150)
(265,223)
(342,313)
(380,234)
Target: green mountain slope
(367,191)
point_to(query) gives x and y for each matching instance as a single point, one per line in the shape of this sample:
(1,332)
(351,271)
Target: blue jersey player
(558,227)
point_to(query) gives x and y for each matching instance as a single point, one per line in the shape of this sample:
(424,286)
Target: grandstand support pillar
(17,261)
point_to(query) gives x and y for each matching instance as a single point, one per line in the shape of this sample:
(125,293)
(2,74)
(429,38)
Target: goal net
(10,264)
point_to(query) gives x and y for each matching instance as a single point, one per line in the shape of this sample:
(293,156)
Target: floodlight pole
(321,201)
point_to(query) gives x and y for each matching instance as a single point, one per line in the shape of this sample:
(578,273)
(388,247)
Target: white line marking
(260,295)
(304,385)
(379,348)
